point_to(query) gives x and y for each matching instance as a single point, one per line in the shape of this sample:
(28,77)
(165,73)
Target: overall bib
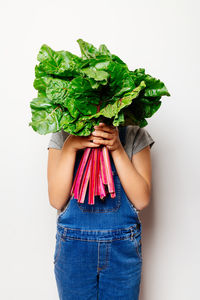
(98,252)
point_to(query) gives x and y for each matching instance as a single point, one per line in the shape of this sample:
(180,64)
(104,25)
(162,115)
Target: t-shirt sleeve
(142,139)
(57,139)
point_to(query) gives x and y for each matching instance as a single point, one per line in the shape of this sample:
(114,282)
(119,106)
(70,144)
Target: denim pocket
(105,205)
(136,239)
(136,211)
(57,248)
(65,209)
(133,210)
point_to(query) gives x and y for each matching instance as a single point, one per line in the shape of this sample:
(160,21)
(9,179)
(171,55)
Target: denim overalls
(98,252)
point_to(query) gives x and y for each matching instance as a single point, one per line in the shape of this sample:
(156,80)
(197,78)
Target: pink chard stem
(111,186)
(93,177)
(90,180)
(80,172)
(85,180)
(102,191)
(103,168)
(97,172)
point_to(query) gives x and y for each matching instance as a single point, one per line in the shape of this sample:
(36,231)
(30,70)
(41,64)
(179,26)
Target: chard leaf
(97,75)
(103,50)
(111,110)
(56,90)
(143,110)
(119,119)
(76,93)
(62,63)
(154,87)
(80,127)
(45,116)
(67,119)
(87,49)
(81,97)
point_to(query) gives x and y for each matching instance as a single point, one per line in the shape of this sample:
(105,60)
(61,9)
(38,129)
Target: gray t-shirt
(136,139)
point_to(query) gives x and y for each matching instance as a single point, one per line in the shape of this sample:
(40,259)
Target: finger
(96,139)
(102,134)
(101,141)
(104,128)
(92,144)
(90,137)
(91,140)
(100,125)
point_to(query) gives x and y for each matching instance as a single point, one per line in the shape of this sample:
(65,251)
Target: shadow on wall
(147,219)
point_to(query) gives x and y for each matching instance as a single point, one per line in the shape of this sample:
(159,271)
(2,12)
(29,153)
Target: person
(98,248)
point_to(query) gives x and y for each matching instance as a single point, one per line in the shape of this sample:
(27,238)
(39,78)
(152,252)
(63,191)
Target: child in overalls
(98,252)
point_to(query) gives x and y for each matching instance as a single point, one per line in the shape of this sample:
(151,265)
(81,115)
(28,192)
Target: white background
(160,36)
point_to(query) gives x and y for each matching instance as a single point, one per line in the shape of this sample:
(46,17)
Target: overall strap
(122,134)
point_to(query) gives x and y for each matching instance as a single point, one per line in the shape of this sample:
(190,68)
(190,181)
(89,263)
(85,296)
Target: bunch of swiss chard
(76,93)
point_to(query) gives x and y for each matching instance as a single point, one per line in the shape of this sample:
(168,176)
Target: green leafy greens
(76,93)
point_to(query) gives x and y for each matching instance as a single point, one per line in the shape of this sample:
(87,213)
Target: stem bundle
(95,171)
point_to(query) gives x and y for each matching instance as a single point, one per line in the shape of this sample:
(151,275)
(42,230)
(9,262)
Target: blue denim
(98,252)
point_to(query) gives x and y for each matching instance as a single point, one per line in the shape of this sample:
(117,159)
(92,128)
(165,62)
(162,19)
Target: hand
(76,142)
(107,135)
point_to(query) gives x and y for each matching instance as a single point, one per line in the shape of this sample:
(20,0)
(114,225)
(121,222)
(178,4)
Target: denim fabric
(98,252)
